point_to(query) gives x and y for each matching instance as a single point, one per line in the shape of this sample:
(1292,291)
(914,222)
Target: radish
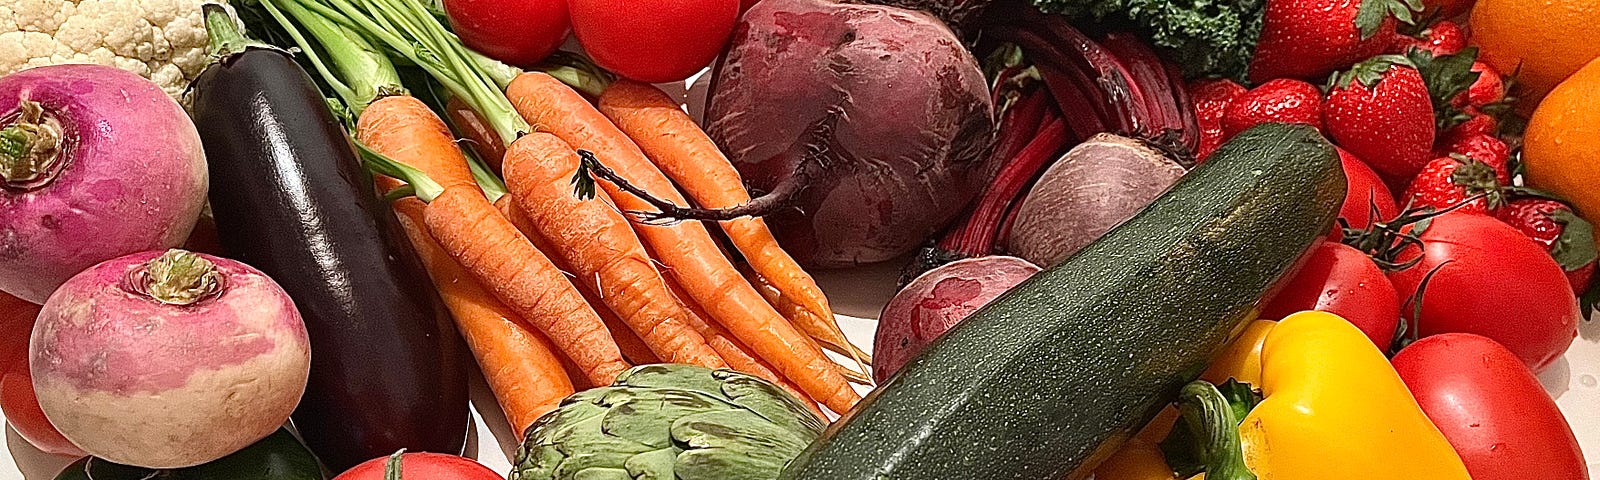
(168,360)
(95,163)
(1098,185)
(935,302)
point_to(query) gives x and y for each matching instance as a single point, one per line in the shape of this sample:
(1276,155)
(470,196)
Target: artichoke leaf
(645,415)
(768,400)
(653,465)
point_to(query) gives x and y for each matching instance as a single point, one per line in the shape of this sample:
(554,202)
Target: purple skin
(878,112)
(129,175)
(1093,188)
(936,302)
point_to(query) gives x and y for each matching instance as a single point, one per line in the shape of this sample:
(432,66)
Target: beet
(937,301)
(1098,185)
(866,125)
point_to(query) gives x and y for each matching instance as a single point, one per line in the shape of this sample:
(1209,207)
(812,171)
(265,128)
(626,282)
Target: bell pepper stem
(1206,410)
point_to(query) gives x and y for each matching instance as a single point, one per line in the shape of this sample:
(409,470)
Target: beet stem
(672,213)
(177,277)
(30,148)
(978,234)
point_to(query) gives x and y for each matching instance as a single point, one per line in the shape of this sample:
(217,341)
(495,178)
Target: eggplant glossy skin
(278,457)
(290,198)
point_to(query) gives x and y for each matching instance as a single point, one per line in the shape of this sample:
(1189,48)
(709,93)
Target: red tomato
(1493,281)
(21,407)
(654,41)
(22,411)
(518,32)
(1339,279)
(1364,191)
(423,466)
(1491,408)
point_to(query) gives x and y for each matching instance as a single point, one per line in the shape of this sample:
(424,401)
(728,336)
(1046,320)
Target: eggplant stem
(177,277)
(30,148)
(672,212)
(1207,411)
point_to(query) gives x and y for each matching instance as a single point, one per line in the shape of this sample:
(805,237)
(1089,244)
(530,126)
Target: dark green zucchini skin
(1051,377)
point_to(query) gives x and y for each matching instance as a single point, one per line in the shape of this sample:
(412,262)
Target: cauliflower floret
(163,40)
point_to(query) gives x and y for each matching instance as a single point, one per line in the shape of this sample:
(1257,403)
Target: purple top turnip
(865,125)
(168,360)
(935,302)
(95,163)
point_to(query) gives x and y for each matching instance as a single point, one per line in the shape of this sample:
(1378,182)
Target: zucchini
(1051,377)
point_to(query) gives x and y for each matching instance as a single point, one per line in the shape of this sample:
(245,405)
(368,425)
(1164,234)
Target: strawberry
(1380,111)
(1211,99)
(1309,38)
(1569,238)
(1282,100)
(1487,90)
(1477,123)
(1443,38)
(1448,181)
(1481,147)
(1448,77)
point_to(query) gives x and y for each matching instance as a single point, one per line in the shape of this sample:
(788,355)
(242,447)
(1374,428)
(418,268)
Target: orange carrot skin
(520,365)
(685,153)
(592,238)
(488,246)
(686,248)
(633,348)
(404,129)
(738,355)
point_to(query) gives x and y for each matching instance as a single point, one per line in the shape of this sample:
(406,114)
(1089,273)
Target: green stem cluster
(177,277)
(30,148)
(406,28)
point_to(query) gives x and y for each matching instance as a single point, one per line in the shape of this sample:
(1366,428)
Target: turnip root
(95,163)
(1096,186)
(937,301)
(866,125)
(168,360)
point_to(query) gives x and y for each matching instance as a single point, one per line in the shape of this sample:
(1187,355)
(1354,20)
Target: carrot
(682,150)
(404,129)
(735,352)
(480,136)
(592,238)
(519,364)
(633,348)
(686,248)
(790,309)
(483,242)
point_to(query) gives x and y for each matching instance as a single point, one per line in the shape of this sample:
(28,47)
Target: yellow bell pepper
(1139,458)
(1335,409)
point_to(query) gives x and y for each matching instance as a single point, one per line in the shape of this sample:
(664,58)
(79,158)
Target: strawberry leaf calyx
(1446,76)
(1371,14)
(1479,179)
(1369,72)
(1575,247)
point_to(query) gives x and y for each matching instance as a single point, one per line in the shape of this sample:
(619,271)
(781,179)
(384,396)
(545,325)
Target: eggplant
(278,457)
(290,198)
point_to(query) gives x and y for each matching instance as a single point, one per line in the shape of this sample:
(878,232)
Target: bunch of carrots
(555,284)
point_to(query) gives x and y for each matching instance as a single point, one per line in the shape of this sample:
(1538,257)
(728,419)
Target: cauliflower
(162,40)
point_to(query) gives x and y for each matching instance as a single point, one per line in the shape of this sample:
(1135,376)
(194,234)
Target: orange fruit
(1549,39)
(1561,147)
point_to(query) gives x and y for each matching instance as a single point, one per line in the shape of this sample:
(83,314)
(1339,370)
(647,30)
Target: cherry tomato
(423,466)
(1491,409)
(1365,190)
(1339,279)
(1490,280)
(17,400)
(518,32)
(654,41)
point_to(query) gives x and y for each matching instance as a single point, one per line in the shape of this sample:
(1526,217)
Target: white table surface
(857,295)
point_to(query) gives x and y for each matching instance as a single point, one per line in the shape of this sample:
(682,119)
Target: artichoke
(669,422)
